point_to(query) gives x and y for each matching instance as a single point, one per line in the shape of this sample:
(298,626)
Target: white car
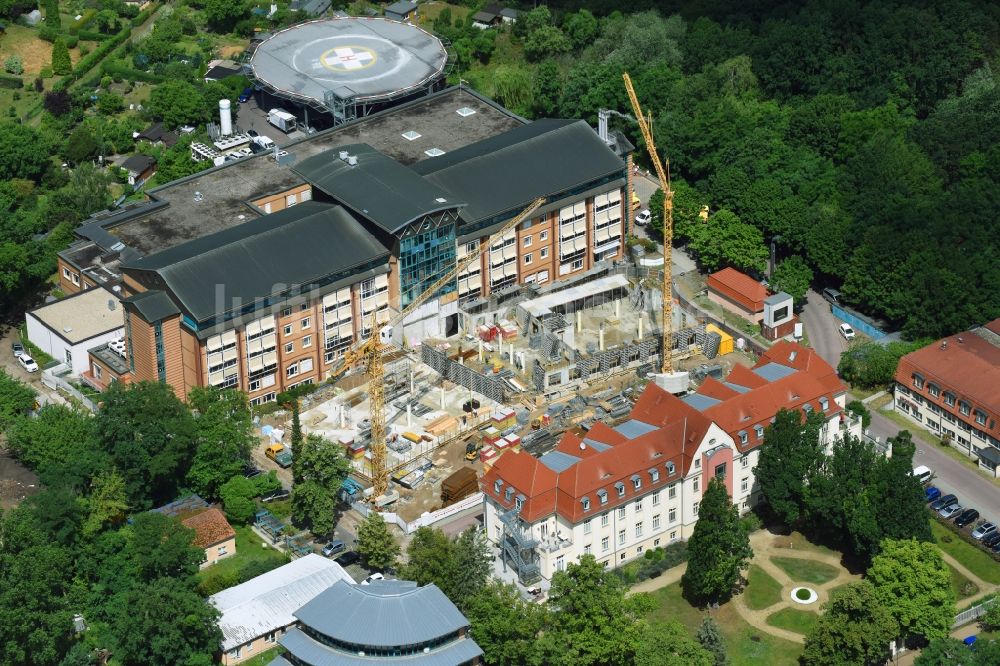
(847,331)
(27,363)
(371,579)
(643,217)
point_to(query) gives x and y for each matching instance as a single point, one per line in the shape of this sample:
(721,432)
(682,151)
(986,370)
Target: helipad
(362,59)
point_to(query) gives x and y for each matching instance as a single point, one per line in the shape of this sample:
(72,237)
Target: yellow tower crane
(646,127)
(370,351)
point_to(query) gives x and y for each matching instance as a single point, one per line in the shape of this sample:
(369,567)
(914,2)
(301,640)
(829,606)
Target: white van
(923,473)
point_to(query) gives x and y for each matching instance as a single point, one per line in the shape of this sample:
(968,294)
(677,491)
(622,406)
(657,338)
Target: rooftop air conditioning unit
(352,160)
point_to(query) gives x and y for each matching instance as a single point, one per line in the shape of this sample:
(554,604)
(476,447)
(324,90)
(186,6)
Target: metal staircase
(519,548)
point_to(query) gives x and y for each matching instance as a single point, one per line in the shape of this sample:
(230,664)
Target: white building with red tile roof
(618,491)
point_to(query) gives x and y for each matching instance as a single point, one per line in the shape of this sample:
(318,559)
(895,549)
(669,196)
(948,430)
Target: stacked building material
(441,425)
(462,483)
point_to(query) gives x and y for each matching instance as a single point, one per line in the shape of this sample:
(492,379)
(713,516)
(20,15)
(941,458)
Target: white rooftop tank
(225,117)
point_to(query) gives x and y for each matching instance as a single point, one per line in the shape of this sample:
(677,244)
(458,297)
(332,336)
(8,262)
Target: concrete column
(618,309)
(442,395)
(480,350)
(343,416)
(579,320)
(409,415)
(600,338)
(640,326)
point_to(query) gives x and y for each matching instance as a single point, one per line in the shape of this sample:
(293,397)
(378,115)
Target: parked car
(931,493)
(643,218)
(968,517)
(991,540)
(279,454)
(847,331)
(250,471)
(246,95)
(252,133)
(17,349)
(275,495)
(832,295)
(951,511)
(333,548)
(984,530)
(371,579)
(352,557)
(942,502)
(923,473)
(27,363)
(996,546)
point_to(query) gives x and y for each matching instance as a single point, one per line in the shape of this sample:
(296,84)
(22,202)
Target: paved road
(680,261)
(974,489)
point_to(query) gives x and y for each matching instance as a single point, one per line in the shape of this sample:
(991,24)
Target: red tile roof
(970,369)
(210,528)
(678,433)
(739,287)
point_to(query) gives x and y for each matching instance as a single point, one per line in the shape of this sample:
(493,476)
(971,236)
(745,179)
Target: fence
(971,614)
(857,322)
(56,383)
(469,503)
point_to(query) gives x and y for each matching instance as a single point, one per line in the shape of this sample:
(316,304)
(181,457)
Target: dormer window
(807,408)
(824,404)
(918,380)
(654,475)
(743,436)
(949,398)
(670,469)
(509,494)
(934,390)
(602,494)
(586,503)
(519,502)
(636,481)
(759,430)
(620,487)
(497,485)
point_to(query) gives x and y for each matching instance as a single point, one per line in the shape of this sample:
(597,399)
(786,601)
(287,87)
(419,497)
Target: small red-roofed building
(738,292)
(618,491)
(213,533)
(952,387)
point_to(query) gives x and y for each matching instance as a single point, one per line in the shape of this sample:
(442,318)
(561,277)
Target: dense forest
(861,136)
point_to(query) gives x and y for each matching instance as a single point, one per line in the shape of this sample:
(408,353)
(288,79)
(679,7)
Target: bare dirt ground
(16,481)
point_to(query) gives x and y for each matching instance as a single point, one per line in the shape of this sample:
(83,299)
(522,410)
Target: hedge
(653,563)
(7,81)
(86,17)
(141,17)
(93,36)
(131,74)
(92,58)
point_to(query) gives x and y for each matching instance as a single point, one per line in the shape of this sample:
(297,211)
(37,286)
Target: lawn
(762,590)
(264,658)
(798,541)
(962,586)
(805,571)
(745,645)
(248,551)
(974,559)
(793,619)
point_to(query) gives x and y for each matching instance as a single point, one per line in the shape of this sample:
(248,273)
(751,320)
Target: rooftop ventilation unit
(344,155)
(434,152)
(411,135)
(441,200)
(111,304)
(352,160)
(465,112)
(198,196)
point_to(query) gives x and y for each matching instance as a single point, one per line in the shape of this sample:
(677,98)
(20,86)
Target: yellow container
(727,345)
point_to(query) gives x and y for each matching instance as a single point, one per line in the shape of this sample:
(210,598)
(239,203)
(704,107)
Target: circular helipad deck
(367,59)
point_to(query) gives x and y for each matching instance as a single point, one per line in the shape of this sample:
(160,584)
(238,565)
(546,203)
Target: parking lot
(949,506)
(251,117)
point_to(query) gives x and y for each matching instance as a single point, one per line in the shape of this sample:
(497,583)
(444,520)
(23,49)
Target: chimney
(602,124)
(225,118)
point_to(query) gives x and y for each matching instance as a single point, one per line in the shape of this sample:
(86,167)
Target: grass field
(264,658)
(805,571)
(248,549)
(762,590)
(745,645)
(793,619)
(962,586)
(972,558)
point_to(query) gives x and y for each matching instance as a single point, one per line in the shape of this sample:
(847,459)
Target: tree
(150,437)
(719,548)
(793,277)
(725,240)
(58,103)
(160,546)
(80,146)
(545,42)
(376,545)
(668,644)
(855,629)
(60,444)
(107,503)
(710,638)
(472,566)
(224,434)
(914,584)
(948,652)
(504,625)
(902,504)
(322,467)
(593,622)
(13,65)
(222,15)
(109,103)
(237,495)
(792,452)
(858,409)
(164,622)
(16,399)
(581,28)
(179,103)
(430,558)
(61,63)
(23,152)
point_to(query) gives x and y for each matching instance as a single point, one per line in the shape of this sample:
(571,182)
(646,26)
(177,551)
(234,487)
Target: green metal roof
(508,171)
(377,187)
(300,245)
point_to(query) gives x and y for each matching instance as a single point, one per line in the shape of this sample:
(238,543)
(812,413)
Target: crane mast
(663,174)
